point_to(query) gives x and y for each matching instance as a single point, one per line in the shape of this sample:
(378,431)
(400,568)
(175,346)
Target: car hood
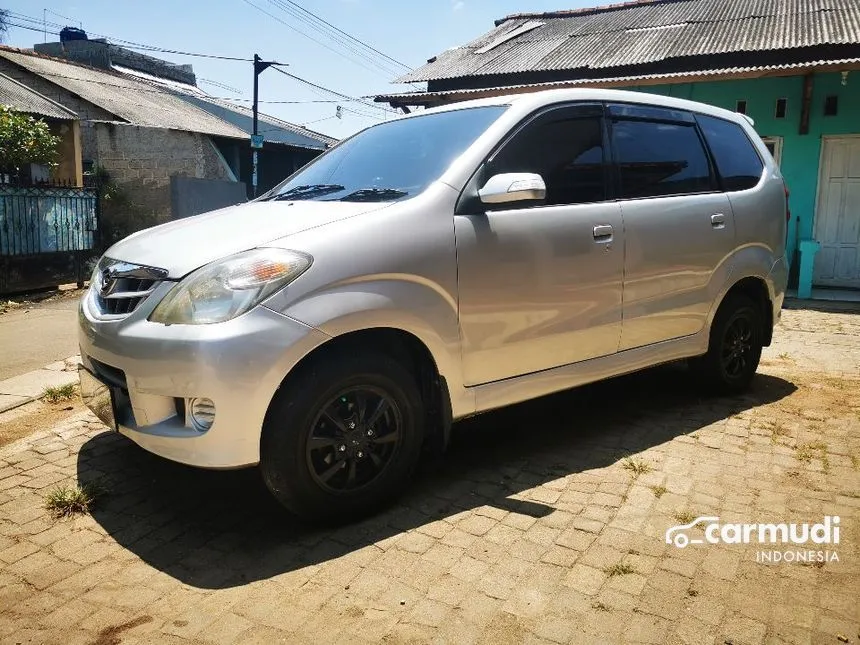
(186,244)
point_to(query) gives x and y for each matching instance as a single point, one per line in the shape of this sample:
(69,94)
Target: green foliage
(66,501)
(24,140)
(60,393)
(120,216)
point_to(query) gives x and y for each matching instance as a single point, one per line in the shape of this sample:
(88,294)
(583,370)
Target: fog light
(202,413)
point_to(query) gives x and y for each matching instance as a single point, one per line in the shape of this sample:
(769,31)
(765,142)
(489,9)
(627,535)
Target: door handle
(603,232)
(718,220)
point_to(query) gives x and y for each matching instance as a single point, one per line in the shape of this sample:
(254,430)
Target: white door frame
(818,189)
(777,148)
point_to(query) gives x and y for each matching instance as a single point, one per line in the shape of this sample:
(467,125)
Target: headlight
(229,287)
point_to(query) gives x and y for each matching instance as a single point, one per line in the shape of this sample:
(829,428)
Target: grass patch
(806,452)
(66,501)
(855,462)
(684,517)
(692,593)
(60,393)
(658,491)
(784,356)
(599,606)
(620,569)
(636,466)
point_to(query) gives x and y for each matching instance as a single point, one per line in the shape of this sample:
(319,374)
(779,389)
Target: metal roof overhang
(430,99)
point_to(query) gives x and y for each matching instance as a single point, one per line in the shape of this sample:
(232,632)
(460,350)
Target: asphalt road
(37,334)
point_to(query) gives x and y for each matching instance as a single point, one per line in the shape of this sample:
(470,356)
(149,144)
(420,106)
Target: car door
(679,228)
(540,282)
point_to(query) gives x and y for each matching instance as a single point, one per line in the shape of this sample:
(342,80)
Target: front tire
(735,346)
(343,436)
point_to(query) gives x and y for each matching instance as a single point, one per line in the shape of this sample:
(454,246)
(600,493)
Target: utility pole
(256,140)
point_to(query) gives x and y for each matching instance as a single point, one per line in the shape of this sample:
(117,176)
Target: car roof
(534,100)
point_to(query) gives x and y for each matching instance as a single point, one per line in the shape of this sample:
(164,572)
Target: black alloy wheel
(343,435)
(354,439)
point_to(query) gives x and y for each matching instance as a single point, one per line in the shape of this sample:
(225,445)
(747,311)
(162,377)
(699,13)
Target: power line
(129,44)
(244,100)
(332,92)
(350,36)
(309,37)
(51,11)
(223,86)
(348,46)
(158,91)
(327,118)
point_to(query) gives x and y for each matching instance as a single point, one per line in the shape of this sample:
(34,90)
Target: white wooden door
(837,219)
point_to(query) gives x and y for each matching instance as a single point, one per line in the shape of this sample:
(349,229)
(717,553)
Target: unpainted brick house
(162,153)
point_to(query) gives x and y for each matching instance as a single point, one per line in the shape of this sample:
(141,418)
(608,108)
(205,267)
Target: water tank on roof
(72,33)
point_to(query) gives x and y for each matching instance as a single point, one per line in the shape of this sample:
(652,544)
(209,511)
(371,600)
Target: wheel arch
(756,288)
(407,349)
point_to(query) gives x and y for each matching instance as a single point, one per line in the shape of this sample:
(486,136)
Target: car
(430,268)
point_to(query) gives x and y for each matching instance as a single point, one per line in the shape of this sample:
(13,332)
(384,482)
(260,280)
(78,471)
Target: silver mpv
(433,267)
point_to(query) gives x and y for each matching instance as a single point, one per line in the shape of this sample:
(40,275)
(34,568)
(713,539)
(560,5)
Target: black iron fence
(47,235)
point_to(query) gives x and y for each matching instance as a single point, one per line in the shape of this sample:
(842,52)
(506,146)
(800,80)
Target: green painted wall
(800,153)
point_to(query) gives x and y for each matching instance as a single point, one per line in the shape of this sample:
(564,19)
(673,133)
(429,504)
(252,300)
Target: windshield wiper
(373,194)
(306,191)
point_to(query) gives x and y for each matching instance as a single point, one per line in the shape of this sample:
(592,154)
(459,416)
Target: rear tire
(734,348)
(343,436)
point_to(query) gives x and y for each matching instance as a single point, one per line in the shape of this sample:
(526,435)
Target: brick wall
(141,161)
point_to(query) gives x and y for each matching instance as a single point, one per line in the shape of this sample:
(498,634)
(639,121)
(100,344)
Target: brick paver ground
(514,537)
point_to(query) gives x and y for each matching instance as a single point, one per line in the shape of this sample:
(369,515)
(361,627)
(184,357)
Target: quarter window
(658,159)
(738,163)
(567,152)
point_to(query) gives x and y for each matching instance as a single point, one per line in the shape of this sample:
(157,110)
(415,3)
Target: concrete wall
(191,196)
(141,162)
(98,53)
(801,152)
(69,152)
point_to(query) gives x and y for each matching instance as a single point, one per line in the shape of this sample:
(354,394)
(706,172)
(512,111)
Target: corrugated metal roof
(448,96)
(21,98)
(650,32)
(145,100)
(132,100)
(274,130)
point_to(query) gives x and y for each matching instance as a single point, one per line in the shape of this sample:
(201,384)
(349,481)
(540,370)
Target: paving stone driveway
(514,537)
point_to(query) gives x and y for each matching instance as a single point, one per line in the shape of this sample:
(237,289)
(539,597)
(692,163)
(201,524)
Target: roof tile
(648,32)
(23,99)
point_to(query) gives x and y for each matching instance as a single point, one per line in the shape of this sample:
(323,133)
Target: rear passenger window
(656,159)
(737,161)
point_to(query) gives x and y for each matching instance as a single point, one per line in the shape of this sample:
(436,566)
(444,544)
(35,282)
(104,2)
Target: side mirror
(513,187)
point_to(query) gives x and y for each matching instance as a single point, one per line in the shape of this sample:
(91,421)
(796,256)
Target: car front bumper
(154,371)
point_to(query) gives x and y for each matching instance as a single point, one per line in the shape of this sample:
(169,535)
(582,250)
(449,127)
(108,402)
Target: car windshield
(390,161)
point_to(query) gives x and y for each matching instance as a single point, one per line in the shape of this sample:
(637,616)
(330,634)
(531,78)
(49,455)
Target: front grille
(120,287)
(127,295)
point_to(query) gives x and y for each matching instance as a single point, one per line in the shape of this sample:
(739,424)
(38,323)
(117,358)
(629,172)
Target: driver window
(567,152)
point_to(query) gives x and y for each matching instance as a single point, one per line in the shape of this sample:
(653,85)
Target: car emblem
(106,283)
